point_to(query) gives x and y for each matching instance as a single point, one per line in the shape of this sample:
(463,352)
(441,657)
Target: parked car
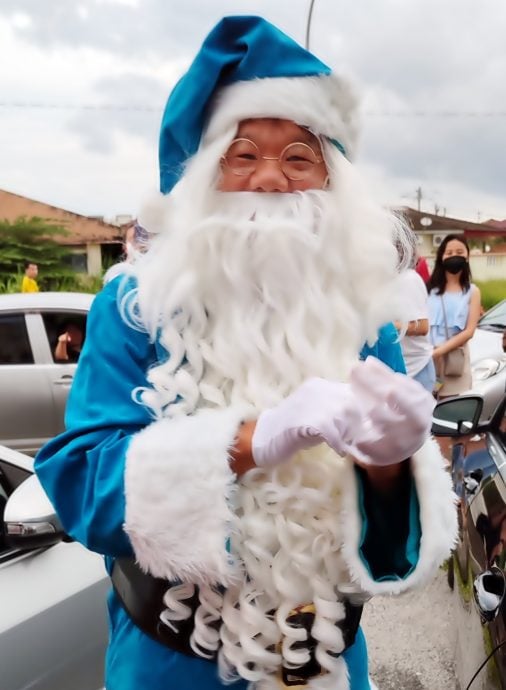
(477,568)
(34,385)
(53,623)
(488,359)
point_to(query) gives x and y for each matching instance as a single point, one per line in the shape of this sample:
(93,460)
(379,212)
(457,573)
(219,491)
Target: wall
(488,266)
(94,259)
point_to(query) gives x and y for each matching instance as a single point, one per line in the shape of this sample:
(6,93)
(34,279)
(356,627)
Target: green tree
(33,239)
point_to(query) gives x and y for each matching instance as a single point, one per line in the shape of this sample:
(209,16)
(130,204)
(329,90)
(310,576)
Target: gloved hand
(397,414)
(319,410)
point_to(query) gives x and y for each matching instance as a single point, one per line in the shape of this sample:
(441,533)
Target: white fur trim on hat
(178,486)
(326,105)
(438,520)
(154,212)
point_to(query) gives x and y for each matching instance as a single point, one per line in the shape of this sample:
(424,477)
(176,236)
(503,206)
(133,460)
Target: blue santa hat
(247,68)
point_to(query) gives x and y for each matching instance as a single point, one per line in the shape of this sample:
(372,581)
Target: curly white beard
(251,294)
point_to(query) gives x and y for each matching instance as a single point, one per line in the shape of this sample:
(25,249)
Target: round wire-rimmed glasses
(297,160)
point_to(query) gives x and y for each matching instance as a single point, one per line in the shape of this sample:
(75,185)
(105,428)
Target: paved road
(411,640)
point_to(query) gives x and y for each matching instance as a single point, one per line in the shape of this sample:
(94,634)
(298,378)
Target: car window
(14,343)
(495,316)
(71,326)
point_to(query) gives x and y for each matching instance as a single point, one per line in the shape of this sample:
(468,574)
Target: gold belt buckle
(292,683)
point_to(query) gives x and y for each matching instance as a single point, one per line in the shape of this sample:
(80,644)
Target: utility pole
(308,25)
(419,196)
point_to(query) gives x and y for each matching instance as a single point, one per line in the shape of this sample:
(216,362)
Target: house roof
(429,223)
(501,224)
(80,229)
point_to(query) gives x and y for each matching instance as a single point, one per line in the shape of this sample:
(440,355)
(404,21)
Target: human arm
(241,453)
(416,307)
(82,470)
(125,483)
(467,333)
(60,351)
(415,327)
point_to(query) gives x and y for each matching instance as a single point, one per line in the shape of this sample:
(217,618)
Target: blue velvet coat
(82,471)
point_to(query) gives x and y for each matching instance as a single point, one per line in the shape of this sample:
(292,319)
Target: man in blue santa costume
(249,479)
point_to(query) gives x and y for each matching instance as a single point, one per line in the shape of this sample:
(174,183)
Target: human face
(272,136)
(32,271)
(75,335)
(454,248)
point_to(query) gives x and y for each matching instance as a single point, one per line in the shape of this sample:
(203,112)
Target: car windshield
(495,318)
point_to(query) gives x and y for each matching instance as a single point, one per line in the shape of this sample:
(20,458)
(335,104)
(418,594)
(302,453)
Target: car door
(27,416)
(486,531)
(60,374)
(53,623)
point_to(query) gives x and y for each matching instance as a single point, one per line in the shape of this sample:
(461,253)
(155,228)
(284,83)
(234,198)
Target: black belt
(141,595)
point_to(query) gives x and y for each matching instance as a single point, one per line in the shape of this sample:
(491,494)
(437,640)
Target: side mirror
(30,520)
(457,416)
(489,589)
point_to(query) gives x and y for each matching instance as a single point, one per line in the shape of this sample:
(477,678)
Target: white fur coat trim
(438,521)
(325,104)
(178,486)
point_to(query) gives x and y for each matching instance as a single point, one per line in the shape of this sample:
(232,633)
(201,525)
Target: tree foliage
(33,239)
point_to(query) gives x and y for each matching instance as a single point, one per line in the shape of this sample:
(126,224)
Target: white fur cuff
(438,521)
(178,486)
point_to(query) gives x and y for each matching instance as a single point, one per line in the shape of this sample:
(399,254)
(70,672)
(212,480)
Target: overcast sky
(83,84)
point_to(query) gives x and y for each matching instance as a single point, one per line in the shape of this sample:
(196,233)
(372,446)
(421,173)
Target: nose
(268,177)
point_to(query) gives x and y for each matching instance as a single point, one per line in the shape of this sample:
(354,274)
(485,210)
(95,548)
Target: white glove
(397,414)
(319,410)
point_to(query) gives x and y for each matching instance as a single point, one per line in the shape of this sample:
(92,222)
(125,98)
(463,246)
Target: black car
(476,570)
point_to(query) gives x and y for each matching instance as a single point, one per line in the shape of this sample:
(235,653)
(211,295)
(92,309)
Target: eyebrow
(306,137)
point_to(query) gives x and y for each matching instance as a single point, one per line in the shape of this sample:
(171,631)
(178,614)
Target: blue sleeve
(391,532)
(82,469)
(387,349)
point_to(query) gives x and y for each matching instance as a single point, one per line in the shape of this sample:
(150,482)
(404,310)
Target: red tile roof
(80,229)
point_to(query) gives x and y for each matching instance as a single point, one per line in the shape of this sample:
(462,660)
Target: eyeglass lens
(297,160)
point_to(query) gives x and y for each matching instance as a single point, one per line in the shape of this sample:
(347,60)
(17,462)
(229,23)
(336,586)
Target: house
(499,246)
(488,256)
(431,229)
(93,243)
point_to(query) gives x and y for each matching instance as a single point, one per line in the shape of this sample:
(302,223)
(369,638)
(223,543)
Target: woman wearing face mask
(454,310)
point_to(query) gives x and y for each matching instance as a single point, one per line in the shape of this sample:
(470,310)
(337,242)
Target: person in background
(422,268)
(29,283)
(70,342)
(415,341)
(249,480)
(454,310)
(135,242)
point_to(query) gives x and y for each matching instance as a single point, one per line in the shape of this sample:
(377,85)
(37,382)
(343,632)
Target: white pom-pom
(154,213)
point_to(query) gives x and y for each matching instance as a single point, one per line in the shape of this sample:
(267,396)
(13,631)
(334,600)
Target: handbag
(454,361)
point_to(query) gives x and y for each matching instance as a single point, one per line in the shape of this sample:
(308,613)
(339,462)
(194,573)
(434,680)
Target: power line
(132,107)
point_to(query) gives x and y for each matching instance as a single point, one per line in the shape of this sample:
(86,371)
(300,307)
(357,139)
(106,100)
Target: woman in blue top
(454,310)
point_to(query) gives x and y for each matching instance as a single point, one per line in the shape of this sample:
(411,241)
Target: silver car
(34,384)
(488,360)
(53,628)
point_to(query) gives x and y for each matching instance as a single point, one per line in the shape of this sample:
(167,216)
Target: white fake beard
(262,292)
(251,294)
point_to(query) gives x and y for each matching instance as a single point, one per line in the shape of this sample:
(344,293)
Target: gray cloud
(425,62)
(142,99)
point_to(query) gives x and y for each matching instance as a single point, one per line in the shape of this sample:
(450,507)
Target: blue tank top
(456,305)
